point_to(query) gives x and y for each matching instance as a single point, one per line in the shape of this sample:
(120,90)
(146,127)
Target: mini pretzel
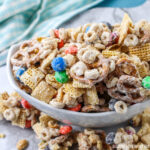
(128,84)
(23,56)
(126,66)
(127,97)
(102,65)
(92,108)
(128,90)
(60,139)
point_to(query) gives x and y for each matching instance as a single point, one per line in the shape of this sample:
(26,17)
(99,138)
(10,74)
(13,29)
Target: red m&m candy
(28,124)
(61,44)
(25,104)
(65,129)
(71,50)
(77,108)
(56,33)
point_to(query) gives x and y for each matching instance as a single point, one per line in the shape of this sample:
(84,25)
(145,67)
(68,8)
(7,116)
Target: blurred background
(24,19)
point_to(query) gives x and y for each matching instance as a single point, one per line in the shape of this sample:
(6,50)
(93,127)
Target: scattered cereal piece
(37,128)
(22,144)
(21,120)
(2,135)
(44,119)
(4,96)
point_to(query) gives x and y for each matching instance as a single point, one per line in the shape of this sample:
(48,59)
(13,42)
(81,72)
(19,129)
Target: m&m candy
(59,64)
(146,82)
(61,77)
(61,44)
(25,104)
(71,50)
(77,108)
(87,29)
(65,129)
(28,124)
(56,32)
(20,72)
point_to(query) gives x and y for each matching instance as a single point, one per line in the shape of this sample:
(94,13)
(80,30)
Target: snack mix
(55,136)
(96,67)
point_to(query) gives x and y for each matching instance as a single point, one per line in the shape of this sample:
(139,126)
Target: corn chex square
(73,92)
(142,51)
(44,119)
(91,97)
(37,128)
(21,121)
(44,92)
(50,79)
(124,27)
(32,77)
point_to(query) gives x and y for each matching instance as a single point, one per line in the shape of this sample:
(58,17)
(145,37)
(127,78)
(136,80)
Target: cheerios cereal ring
(102,64)
(128,84)
(9,114)
(123,64)
(131,40)
(45,135)
(90,36)
(120,107)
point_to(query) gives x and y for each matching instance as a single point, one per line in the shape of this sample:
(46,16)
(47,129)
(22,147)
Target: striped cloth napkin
(23,19)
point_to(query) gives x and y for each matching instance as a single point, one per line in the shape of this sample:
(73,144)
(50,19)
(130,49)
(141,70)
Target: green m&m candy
(146,82)
(61,77)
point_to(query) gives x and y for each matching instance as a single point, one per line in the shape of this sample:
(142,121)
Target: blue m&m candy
(20,72)
(87,29)
(59,64)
